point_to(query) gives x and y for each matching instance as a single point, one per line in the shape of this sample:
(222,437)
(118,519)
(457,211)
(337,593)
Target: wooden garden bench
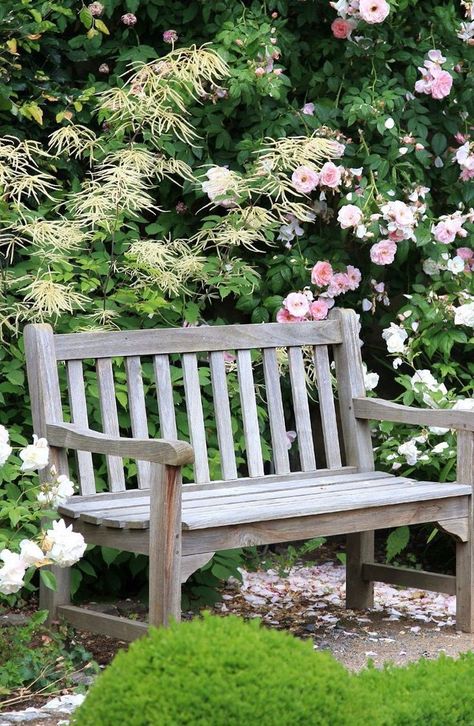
(334,490)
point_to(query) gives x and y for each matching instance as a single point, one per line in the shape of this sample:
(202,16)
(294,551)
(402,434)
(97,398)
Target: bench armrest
(159,451)
(380,410)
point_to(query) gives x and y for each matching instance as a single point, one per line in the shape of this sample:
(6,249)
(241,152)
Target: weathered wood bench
(333,491)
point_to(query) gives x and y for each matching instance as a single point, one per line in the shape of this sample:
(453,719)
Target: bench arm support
(158,451)
(379,410)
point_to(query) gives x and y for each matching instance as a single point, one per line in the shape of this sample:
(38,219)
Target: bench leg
(360,549)
(165,545)
(464,585)
(51,599)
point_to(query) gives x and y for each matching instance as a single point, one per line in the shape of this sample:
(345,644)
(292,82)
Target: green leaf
(109,554)
(49,579)
(397,541)
(86,18)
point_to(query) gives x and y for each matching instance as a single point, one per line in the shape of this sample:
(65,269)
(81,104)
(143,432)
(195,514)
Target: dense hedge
(220,671)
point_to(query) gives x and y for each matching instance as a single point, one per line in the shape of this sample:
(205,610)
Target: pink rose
(170,36)
(383,253)
(374,11)
(355,276)
(342,28)
(447,230)
(297,304)
(283,316)
(308,109)
(330,175)
(319,309)
(349,216)
(441,84)
(304,179)
(321,274)
(339,284)
(129,19)
(465,253)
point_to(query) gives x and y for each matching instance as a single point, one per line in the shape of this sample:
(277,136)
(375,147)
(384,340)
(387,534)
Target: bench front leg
(465,550)
(165,545)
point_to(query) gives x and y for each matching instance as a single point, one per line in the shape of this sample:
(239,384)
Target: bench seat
(232,503)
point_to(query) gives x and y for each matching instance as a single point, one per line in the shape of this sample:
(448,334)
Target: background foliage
(54,60)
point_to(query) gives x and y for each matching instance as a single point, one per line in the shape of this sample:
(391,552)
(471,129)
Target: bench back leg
(465,550)
(358,449)
(51,599)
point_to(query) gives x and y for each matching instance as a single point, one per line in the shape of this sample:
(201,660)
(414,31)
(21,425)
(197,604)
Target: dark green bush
(216,672)
(224,672)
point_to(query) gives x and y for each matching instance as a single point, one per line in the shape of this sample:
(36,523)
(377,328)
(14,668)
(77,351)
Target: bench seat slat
(142,507)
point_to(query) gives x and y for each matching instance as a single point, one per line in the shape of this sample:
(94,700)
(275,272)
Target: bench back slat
(110,424)
(222,413)
(197,431)
(248,403)
(195,340)
(275,412)
(164,394)
(138,414)
(327,408)
(304,429)
(79,416)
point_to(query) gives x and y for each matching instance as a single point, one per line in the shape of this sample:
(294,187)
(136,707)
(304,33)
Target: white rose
(35,456)
(409,451)
(439,448)
(371,380)
(438,430)
(464,315)
(5,451)
(456,265)
(395,338)
(221,180)
(464,404)
(30,553)
(57,493)
(430,267)
(4,435)
(12,572)
(67,547)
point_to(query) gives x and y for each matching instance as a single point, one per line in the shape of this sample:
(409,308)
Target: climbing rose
(342,28)
(12,572)
(5,448)
(464,315)
(283,316)
(354,276)
(374,11)
(129,19)
(383,253)
(297,304)
(66,546)
(30,553)
(339,284)
(330,175)
(349,216)
(321,274)
(441,84)
(304,179)
(104,68)
(308,109)
(319,309)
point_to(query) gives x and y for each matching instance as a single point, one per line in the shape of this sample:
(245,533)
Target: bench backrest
(192,356)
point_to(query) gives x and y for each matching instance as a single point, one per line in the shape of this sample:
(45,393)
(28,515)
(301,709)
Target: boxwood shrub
(225,672)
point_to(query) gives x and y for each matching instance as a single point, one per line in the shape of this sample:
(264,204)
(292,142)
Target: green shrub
(218,671)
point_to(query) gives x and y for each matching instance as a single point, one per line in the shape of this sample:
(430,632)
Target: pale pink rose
(396,235)
(467,174)
(465,253)
(297,304)
(402,214)
(308,109)
(436,56)
(319,309)
(321,274)
(304,179)
(283,316)
(383,253)
(374,11)
(355,276)
(129,19)
(339,284)
(260,72)
(349,216)
(342,28)
(170,36)
(447,230)
(330,175)
(441,84)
